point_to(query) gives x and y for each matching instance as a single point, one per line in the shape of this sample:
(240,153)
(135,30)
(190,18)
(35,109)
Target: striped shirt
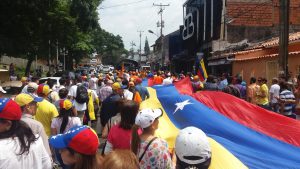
(287,95)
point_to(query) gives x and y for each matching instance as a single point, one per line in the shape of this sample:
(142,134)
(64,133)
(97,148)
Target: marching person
(28,106)
(20,148)
(151,151)
(120,135)
(46,111)
(78,148)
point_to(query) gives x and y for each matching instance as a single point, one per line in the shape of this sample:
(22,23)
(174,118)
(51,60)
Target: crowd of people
(49,125)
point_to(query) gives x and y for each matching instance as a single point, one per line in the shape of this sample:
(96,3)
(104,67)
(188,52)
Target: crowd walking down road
(96,121)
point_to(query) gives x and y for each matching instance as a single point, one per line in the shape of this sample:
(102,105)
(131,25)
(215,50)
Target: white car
(106,69)
(111,67)
(54,80)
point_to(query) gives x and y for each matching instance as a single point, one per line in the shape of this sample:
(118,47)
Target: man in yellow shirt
(46,111)
(263,94)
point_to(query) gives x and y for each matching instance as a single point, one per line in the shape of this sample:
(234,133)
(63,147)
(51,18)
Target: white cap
(192,141)
(147,116)
(2,90)
(33,85)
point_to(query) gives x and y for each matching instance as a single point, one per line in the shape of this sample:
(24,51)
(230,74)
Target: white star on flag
(181,105)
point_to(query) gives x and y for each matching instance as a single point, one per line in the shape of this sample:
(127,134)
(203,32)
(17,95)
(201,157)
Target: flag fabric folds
(253,137)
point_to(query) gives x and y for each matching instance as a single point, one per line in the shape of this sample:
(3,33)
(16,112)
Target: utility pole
(140,53)
(284,36)
(161,25)
(57,54)
(132,44)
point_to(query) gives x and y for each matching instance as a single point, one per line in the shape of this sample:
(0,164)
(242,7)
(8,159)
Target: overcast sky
(126,20)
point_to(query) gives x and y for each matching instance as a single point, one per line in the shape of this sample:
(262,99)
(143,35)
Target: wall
(258,67)
(19,62)
(258,19)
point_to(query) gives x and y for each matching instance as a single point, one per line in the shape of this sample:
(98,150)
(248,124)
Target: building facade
(244,23)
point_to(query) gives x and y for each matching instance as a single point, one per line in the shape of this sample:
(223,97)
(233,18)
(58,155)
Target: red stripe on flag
(247,114)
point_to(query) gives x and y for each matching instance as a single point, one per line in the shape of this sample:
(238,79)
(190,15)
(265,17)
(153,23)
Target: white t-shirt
(72,93)
(275,89)
(93,83)
(128,94)
(37,157)
(56,88)
(73,121)
(167,81)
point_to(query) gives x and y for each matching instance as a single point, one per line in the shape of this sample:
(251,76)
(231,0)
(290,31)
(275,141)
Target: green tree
(146,47)
(111,47)
(38,27)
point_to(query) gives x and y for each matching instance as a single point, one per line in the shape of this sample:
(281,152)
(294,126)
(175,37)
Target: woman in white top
(64,122)
(20,148)
(65,119)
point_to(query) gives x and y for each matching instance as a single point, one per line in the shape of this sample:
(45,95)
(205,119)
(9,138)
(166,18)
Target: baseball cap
(2,90)
(23,79)
(24,99)
(150,75)
(65,104)
(116,86)
(81,139)
(138,80)
(31,87)
(43,89)
(192,142)
(9,109)
(147,116)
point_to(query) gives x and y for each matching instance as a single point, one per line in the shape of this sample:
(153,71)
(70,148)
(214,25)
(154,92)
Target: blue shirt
(143,91)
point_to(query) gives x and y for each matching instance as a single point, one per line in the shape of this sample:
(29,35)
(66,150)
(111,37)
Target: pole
(35,62)
(64,50)
(284,36)
(57,53)
(140,53)
(162,25)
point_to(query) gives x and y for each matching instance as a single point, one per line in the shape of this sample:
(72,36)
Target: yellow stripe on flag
(203,68)
(221,157)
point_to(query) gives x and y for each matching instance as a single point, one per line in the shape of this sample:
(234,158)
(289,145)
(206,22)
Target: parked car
(50,80)
(82,71)
(111,67)
(106,69)
(68,74)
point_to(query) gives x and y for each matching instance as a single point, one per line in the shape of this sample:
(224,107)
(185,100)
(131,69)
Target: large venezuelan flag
(242,135)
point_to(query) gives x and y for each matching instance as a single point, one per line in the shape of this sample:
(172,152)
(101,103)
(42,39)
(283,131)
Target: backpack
(81,95)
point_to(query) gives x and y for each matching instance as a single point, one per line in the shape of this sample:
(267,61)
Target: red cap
(82,139)
(9,109)
(138,81)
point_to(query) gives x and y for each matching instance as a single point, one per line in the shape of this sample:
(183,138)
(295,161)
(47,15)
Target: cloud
(127,20)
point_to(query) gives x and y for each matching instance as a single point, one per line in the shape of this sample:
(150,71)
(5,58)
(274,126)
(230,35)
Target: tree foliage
(37,27)
(147,47)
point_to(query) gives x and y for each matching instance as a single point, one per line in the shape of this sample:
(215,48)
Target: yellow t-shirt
(46,111)
(263,100)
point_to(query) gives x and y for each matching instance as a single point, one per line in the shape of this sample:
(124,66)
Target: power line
(124,4)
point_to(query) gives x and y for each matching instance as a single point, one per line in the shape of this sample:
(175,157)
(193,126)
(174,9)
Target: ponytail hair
(135,139)
(64,114)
